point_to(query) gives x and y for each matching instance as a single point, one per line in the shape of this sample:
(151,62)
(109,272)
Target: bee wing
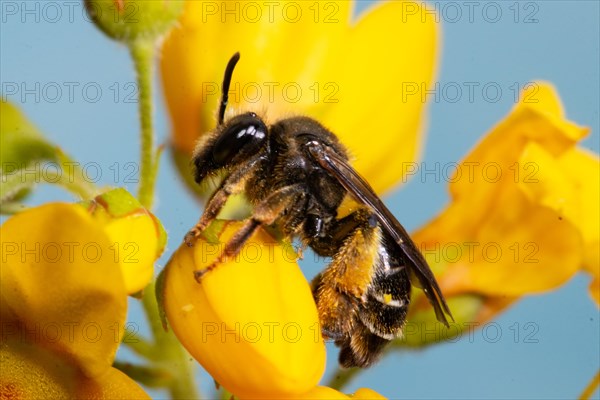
(360,189)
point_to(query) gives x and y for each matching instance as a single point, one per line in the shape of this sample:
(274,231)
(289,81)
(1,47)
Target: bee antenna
(226,82)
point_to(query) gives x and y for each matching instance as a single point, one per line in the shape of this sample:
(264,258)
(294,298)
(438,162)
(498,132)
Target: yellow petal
(60,280)
(321,393)
(209,33)
(582,169)
(494,161)
(380,115)
(137,237)
(251,323)
(113,384)
(515,222)
(134,242)
(30,372)
(591,387)
(367,394)
(327,393)
(595,290)
(340,73)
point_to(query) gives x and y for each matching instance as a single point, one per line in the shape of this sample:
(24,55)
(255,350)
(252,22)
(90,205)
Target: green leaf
(24,154)
(21,141)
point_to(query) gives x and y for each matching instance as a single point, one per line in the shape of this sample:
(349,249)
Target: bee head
(233,141)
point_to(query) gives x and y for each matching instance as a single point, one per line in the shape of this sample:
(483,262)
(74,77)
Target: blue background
(561,47)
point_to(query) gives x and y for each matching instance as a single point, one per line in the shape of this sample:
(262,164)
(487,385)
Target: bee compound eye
(240,139)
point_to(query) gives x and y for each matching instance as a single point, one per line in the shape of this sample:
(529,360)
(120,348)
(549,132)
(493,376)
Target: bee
(296,173)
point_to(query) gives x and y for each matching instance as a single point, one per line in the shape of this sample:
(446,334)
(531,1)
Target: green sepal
(423,329)
(160,298)
(118,203)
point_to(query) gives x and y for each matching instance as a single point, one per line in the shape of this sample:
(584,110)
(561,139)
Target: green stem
(142,53)
(141,346)
(73,179)
(70,178)
(342,377)
(151,308)
(168,351)
(12,208)
(149,376)
(79,187)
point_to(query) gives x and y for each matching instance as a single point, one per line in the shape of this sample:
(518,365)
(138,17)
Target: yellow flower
(326,393)
(307,58)
(32,372)
(524,213)
(252,322)
(63,304)
(137,237)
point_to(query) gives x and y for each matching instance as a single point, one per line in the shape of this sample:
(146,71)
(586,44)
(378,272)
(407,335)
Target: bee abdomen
(361,349)
(384,319)
(384,308)
(380,318)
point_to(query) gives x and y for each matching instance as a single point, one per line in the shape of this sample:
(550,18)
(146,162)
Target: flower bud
(130,20)
(137,237)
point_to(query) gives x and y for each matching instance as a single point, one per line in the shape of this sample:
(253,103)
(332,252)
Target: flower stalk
(342,377)
(142,53)
(164,351)
(75,183)
(168,352)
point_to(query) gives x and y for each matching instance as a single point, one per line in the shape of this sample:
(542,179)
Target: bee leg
(232,248)
(265,213)
(328,243)
(233,184)
(339,289)
(336,310)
